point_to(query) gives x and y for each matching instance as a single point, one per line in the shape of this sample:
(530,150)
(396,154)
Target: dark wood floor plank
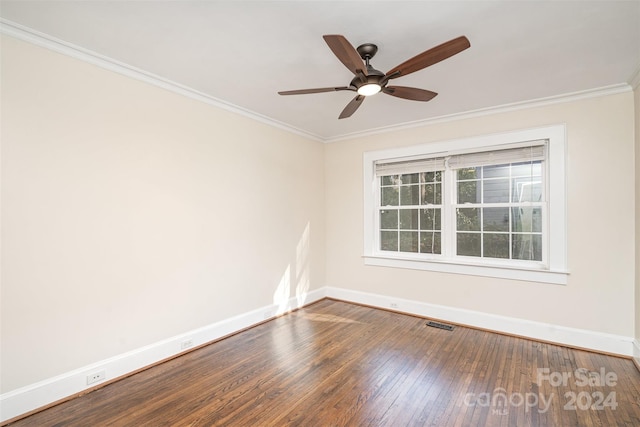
(339,364)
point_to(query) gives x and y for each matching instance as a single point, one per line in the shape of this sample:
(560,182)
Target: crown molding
(27,34)
(634,80)
(32,36)
(505,108)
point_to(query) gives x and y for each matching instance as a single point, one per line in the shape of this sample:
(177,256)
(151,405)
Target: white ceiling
(244,52)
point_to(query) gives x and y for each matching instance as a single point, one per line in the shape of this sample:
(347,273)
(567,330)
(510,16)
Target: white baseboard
(636,352)
(43,393)
(579,338)
(34,396)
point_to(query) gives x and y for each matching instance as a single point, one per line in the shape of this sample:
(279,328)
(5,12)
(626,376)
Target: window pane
(389,219)
(526,169)
(389,240)
(409,219)
(468,192)
(389,196)
(468,244)
(495,190)
(469,173)
(430,243)
(431,176)
(431,194)
(497,171)
(411,178)
(527,219)
(410,195)
(527,246)
(430,219)
(408,241)
(495,245)
(468,219)
(390,180)
(495,219)
(527,190)
(411,211)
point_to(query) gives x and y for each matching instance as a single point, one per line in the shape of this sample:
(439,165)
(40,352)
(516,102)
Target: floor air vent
(440,326)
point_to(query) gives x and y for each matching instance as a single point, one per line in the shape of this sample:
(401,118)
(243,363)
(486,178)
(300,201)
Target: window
(410,212)
(490,206)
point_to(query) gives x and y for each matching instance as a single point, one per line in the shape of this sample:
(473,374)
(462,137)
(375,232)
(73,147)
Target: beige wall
(637,181)
(131,214)
(601,216)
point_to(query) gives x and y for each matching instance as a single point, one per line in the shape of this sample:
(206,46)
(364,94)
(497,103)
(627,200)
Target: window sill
(501,272)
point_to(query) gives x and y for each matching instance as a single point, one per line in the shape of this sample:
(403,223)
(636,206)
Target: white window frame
(553,269)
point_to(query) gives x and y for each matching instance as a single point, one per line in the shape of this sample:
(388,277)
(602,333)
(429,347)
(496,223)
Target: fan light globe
(369,89)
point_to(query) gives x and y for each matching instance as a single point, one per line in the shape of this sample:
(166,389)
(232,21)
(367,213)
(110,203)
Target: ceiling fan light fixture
(368,81)
(369,89)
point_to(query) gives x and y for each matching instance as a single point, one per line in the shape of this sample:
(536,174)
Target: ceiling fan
(369,81)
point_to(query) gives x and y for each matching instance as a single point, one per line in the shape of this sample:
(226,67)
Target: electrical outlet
(96,377)
(186,344)
(394,305)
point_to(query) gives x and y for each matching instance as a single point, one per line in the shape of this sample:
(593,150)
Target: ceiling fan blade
(346,53)
(430,57)
(318,90)
(352,107)
(411,93)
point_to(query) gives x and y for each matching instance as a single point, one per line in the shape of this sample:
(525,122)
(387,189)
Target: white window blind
(529,151)
(533,151)
(410,166)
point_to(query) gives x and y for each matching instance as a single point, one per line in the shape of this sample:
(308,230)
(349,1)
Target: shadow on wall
(282,297)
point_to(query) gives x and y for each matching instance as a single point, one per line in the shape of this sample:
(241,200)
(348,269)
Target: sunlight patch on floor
(316,317)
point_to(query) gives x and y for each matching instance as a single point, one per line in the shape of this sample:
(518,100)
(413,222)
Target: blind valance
(534,151)
(410,166)
(529,151)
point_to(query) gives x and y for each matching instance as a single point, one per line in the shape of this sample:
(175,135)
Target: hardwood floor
(339,364)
